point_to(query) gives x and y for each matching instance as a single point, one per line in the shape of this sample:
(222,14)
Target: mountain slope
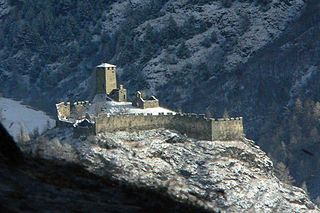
(152,42)
(249,58)
(217,176)
(37,185)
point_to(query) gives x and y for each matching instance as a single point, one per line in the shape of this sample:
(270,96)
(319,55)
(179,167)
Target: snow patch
(116,108)
(17,117)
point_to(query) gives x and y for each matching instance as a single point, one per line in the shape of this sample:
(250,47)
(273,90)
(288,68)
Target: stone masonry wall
(132,122)
(63,110)
(196,126)
(150,104)
(78,109)
(75,111)
(227,129)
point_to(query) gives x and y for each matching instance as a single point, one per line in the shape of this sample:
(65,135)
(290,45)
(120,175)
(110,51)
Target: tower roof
(106,65)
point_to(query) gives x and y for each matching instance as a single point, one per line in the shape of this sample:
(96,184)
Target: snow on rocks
(233,176)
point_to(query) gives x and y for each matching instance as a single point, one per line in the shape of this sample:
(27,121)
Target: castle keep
(109,112)
(106,82)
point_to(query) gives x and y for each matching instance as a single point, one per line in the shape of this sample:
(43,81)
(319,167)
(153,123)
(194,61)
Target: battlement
(74,111)
(63,110)
(193,125)
(82,103)
(229,119)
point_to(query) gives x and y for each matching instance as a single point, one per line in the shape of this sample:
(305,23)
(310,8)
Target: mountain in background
(258,59)
(22,121)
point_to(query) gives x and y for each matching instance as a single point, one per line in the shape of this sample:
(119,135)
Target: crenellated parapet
(89,119)
(78,109)
(193,125)
(72,111)
(228,128)
(63,110)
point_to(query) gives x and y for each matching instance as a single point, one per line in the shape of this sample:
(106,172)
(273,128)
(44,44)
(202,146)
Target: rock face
(29,185)
(232,176)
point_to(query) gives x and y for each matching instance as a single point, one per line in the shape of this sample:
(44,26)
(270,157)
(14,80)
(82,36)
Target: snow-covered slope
(18,118)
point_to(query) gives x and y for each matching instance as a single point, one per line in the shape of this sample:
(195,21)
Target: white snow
(106,65)
(16,117)
(113,107)
(101,104)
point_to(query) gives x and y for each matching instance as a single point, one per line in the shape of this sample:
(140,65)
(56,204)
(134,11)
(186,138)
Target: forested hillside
(255,58)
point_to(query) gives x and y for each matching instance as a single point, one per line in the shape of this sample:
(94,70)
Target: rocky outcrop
(251,58)
(37,185)
(233,176)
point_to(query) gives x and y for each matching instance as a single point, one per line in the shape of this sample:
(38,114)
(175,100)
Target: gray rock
(226,176)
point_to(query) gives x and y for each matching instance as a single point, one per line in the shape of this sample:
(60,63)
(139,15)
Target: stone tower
(106,79)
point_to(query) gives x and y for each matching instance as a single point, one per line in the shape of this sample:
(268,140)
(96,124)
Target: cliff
(232,176)
(38,185)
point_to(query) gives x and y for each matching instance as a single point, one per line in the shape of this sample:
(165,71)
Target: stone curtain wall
(132,122)
(190,124)
(227,129)
(63,110)
(78,109)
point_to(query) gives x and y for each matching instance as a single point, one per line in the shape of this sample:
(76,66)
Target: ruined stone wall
(63,110)
(74,111)
(227,129)
(196,126)
(150,104)
(132,122)
(78,109)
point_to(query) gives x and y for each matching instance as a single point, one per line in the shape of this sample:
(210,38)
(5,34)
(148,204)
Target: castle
(110,111)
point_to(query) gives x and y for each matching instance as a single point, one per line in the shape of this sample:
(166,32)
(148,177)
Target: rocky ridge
(38,185)
(232,176)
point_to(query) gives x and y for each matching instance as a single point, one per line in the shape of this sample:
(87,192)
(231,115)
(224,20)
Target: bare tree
(23,135)
(283,173)
(305,187)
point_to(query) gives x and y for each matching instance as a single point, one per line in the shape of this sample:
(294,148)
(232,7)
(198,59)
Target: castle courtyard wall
(227,129)
(64,110)
(150,104)
(196,126)
(78,109)
(192,125)
(129,122)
